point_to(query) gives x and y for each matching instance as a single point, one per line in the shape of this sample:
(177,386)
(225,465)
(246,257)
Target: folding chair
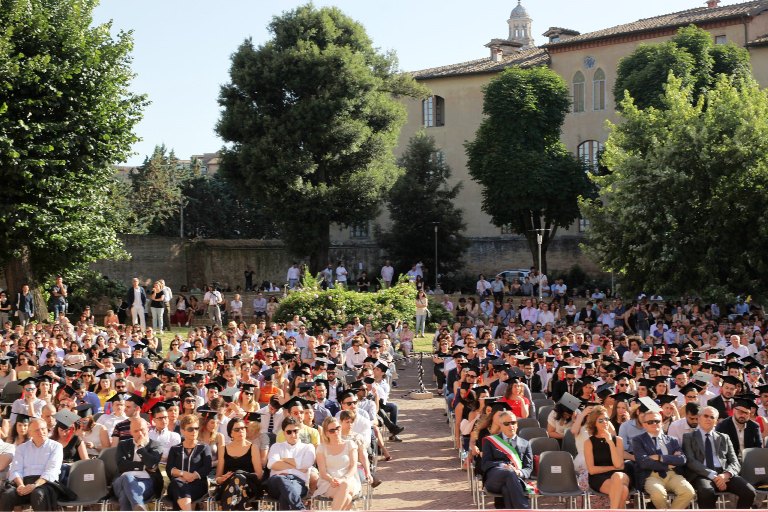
(557,477)
(543,415)
(569,443)
(543,402)
(532,433)
(527,423)
(88,480)
(754,470)
(538,396)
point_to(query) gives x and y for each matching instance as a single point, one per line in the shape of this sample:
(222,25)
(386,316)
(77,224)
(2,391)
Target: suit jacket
(643,449)
(535,383)
(493,457)
(150,456)
(560,388)
(752,437)
(693,448)
(129,296)
(718,404)
(199,462)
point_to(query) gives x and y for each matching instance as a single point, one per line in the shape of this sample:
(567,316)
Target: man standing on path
(387,274)
(167,296)
(136,298)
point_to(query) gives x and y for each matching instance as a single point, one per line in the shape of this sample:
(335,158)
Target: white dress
(336,466)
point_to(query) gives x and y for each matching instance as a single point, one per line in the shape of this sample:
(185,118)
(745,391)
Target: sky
(183,47)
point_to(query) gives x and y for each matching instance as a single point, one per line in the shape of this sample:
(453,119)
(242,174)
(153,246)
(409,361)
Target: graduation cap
(570,402)
(713,351)
(152,384)
(369,380)
(66,418)
(331,366)
(69,390)
(44,378)
(84,410)
(322,382)
(306,386)
(690,387)
(71,371)
(169,372)
(247,387)
(648,383)
(481,389)
(730,379)
(589,379)
(515,373)
(605,392)
(268,373)
(252,416)
(647,404)
(666,399)
(751,362)
(188,393)
(297,400)
(497,405)
(23,418)
(570,370)
(356,385)
(207,413)
(119,397)
(734,364)
(746,401)
(622,397)
(120,367)
(678,371)
(286,356)
(763,389)
(28,380)
(228,395)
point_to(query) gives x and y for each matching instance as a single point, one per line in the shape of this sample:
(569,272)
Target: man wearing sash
(506,463)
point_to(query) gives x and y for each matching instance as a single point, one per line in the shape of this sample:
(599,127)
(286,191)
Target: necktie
(656,443)
(271,425)
(709,455)
(728,407)
(570,388)
(662,473)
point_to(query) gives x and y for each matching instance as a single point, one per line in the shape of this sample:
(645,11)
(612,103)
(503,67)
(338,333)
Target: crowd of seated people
(241,413)
(670,413)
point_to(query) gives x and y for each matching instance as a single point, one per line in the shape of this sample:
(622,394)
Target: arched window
(578,92)
(589,153)
(433,111)
(598,90)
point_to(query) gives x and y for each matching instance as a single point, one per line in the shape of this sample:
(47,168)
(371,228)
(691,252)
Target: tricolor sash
(508,450)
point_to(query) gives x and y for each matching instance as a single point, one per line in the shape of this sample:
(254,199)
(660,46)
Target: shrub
(438,313)
(320,308)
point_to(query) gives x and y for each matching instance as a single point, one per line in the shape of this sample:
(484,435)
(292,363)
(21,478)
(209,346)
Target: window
(506,229)
(583,225)
(598,90)
(433,111)
(589,153)
(721,40)
(358,230)
(578,92)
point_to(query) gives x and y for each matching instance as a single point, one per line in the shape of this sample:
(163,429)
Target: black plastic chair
(557,477)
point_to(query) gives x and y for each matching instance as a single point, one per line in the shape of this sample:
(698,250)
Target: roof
(560,30)
(759,41)
(673,20)
(524,58)
(519,11)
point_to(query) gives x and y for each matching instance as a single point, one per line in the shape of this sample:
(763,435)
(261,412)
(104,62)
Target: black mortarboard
(763,389)
(322,382)
(369,380)
(666,399)
(245,386)
(648,383)
(370,360)
(622,397)
(745,401)
(690,387)
(207,413)
(268,373)
(228,394)
(730,379)
(120,367)
(570,370)
(306,386)
(589,379)
(136,399)
(296,400)
(28,380)
(119,397)
(84,410)
(152,384)
(497,405)
(647,404)
(23,418)
(605,392)
(734,364)
(252,416)
(678,371)
(71,371)
(188,393)
(169,372)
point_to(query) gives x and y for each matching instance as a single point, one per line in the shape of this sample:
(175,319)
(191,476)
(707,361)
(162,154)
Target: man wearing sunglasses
(507,462)
(659,460)
(290,462)
(712,463)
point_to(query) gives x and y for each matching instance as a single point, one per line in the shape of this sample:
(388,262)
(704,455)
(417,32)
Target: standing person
(483,287)
(248,278)
(363,283)
(387,274)
(341,274)
(290,462)
(712,463)
(293,276)
(422,303)
(34,471)
(5,308)
(167,296)
(212,299)
(138,458)
(25,305)
(658,458)
(157,306)
(59,297)
(136,298)
(188,466)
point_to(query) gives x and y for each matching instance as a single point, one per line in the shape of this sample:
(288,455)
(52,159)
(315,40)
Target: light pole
(539,240)
(436,273)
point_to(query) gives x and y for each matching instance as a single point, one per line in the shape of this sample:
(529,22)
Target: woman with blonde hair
(604,457)
(337,465)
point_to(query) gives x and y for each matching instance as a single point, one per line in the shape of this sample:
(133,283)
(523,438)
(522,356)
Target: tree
(530,181)
(690,55)
(419,198)
(684,207)
(66,116)
(156,190)
(316,140)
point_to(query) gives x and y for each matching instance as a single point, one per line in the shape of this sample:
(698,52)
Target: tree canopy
(691,55)
(312,122)
(530,180)
(684,207)
(419,198)
(66,116)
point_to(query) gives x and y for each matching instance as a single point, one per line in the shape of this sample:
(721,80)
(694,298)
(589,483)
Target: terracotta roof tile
(675,19)
(524,58)
(759,41)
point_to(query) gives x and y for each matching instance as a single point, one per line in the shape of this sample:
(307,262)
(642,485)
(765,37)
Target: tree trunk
(18,272)
(318,259)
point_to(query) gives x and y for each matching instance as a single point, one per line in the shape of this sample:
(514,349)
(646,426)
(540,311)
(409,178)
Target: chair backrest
(754,469)
(540,445)
(543,402)
(532,432)
(569,443)
(556,473)
(97,416)
(11,392)
(109,457)
(538,396)
(527,423)
(543,415)
(88,479)
(145,416)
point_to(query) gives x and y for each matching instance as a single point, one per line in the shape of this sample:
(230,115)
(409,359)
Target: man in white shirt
(736,347)
(387,274)
(686,424)
(529,313)
(362,424)
(212,299)
(355,355)
(341,274)
(167,296)
(161,434)
(110,420)
(289,463)
(293,275)
(260,306)
(136,298)
(28,404)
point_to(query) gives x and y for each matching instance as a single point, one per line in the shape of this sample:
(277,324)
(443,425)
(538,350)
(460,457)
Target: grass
(423,344)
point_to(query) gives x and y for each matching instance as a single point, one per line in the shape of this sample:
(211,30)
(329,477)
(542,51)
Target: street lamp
(436,273)
(539,240)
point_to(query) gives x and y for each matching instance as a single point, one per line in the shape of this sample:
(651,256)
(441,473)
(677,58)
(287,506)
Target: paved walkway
(424,471)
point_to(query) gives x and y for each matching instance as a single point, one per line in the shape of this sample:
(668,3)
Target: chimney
(497,54)
(712,4)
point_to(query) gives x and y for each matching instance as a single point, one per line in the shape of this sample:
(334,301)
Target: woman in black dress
(239,469)
(604,456)
(188,466)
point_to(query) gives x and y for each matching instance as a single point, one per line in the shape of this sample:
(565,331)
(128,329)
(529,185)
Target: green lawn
(423,344)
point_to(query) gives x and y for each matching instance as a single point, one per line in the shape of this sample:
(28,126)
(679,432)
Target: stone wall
(197,262)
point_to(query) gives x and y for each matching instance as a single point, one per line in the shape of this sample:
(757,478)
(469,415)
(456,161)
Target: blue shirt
(30,460)
(627,431)
(91,399)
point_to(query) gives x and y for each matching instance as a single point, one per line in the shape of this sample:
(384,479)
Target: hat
(119,397)
(730,379)
(666,399)
(23,418)
(245,386)
(228,395)
(252,416)
(66,418)
(306,386)
(207,413)
(689,387)
(622,397)
(152,384)
(84,410)
(647,404)
(746,401)
(297,400)
(28,380)
(570,402)
(322,382)
(268,373)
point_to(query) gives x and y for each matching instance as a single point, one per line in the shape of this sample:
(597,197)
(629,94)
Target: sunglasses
(291,432)
(653,422)
(350,402)
(333,430)
(238,429)
(508,423)
(192,429)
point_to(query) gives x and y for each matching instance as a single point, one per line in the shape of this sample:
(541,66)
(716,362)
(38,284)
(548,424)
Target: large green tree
(684,208)
(312,119)
(691,55)
(156,190)
(530,181)
(420,198)
(66,116)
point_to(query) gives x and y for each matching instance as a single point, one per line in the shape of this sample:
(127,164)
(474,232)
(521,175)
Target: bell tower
(520,29)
